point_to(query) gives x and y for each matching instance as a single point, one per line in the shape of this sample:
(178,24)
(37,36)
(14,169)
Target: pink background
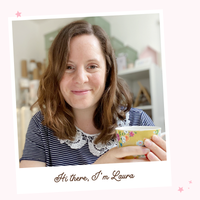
(182,42)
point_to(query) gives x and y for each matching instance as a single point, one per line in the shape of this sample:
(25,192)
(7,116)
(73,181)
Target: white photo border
(42,180)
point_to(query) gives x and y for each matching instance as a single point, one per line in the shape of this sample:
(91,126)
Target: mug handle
(163,136)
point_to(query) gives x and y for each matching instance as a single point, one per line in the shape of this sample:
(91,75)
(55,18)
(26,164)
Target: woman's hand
(117,155)
(158,148)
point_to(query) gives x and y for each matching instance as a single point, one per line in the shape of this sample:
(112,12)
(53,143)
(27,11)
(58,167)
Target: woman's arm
(34,153)
(117,155)
(155,149)
(30,163)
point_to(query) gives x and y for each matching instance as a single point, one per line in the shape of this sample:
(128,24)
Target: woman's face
(83,82)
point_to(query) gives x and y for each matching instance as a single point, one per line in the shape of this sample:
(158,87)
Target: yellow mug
(135,135)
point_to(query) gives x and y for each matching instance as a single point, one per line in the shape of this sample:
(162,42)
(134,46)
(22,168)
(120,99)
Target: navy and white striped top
(42,145)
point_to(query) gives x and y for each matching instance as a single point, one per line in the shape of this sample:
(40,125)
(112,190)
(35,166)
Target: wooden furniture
(142,93)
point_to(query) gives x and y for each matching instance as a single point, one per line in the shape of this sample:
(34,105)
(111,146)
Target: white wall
(47,26)
(137,31)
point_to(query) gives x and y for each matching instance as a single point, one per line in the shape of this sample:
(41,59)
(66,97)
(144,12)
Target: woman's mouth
(80,92)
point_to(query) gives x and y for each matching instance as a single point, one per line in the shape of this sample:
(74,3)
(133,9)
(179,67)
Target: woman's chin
(83,107)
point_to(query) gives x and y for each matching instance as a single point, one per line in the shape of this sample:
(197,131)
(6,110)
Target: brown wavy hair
(114,103)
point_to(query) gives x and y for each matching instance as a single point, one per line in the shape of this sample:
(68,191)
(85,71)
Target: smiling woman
(83,82)
(82,101)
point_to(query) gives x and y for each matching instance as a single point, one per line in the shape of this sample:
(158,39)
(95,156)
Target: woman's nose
(81,75)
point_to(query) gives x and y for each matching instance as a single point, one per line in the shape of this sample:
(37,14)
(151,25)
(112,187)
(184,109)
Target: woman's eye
(92,67)
(69,68)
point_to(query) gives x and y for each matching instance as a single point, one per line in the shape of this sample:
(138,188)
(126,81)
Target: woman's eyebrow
(69,61)
(94,59)
(90,60)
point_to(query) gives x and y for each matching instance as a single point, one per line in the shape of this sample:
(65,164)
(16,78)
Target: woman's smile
(80,92)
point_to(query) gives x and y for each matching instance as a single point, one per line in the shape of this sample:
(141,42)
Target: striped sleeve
(145,120)
(138,117)
(34,147)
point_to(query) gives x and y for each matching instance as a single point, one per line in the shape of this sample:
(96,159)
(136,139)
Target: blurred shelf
(135,73)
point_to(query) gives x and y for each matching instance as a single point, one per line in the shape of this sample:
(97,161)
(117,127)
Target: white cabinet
(151,78)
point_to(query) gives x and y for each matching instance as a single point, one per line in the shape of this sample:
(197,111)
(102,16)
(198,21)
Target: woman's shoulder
(38,117)
(136,110)
(136,113)
(133,110)
(36,121)
(138,117)
(36,127)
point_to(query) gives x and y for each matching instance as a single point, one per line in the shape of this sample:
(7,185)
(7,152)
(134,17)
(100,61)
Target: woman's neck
(84,120)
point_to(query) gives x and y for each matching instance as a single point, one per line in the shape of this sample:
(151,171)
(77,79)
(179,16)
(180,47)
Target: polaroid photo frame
(23,33)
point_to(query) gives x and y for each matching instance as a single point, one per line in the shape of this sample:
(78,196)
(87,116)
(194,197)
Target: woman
(81,101)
